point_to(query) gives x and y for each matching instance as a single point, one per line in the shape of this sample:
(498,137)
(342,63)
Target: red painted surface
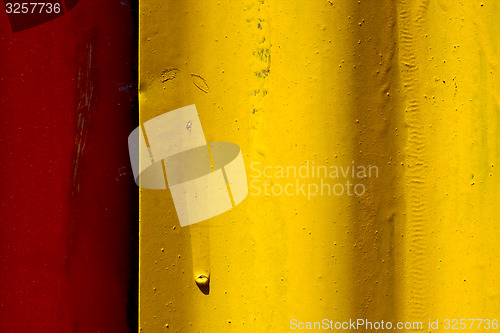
(67,200)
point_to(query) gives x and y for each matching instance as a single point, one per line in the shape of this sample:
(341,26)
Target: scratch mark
(200,83)
(86,90)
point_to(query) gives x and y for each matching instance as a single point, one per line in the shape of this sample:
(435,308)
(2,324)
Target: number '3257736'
(32,8)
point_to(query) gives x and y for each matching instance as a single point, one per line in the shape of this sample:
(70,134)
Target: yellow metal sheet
(410,87)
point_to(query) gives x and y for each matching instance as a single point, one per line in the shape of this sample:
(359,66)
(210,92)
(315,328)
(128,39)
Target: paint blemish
(168,74)
(200,83)
(203,283)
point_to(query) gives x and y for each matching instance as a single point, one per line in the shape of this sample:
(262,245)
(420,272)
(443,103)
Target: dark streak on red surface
(68,204)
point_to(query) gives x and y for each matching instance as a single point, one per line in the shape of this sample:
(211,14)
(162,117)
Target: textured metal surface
(408,86)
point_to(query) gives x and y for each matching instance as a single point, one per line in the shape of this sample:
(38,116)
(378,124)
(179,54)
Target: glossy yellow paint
(408,86)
